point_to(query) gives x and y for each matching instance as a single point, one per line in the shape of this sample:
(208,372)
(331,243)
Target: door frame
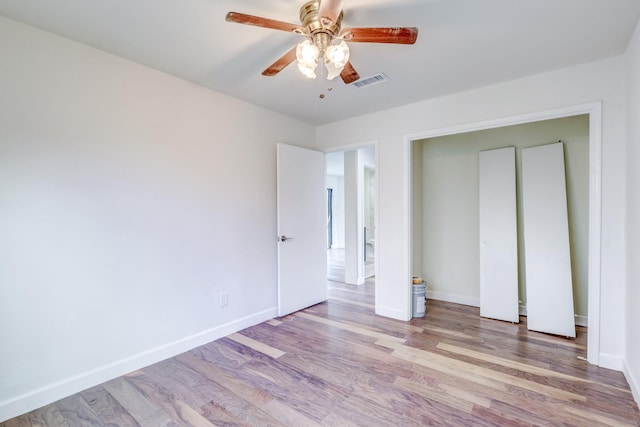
(594,111)
(350,147)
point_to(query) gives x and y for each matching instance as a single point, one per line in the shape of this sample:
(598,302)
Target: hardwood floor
(337,364)
(335,264)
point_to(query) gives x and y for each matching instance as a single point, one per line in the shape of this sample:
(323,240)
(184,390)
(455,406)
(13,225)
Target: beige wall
(449,213)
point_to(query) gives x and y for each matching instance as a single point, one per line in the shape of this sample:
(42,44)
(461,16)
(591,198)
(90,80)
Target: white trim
(581,320)
(593,107)
(634,383)
(350,147)
(457,299)
(50,393)
(610,361)
(522,310)
(407,251)
(390,312)
(376,286)
(594,110)
(595,237)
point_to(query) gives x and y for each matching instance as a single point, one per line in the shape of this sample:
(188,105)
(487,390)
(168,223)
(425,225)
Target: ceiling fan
(324,40)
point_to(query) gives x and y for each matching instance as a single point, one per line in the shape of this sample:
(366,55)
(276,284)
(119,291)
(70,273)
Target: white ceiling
(462,44)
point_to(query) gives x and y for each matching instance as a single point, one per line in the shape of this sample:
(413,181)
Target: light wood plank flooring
(335,264)
(337,364)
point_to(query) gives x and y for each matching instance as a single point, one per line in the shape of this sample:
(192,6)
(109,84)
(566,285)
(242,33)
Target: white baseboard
(581,320)
(392,313)
(475,302)
(610,361)
(50,393)
(522,310)
(457,299)
(634,382)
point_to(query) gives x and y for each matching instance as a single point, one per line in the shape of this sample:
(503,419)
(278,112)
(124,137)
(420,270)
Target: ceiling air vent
(370,81)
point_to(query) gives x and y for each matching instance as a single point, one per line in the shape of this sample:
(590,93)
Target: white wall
(632,350)
(367,156)
(129,199)
(353,268)
(451,259)
(598,81)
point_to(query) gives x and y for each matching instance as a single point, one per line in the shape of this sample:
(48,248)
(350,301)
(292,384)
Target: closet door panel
(546,241)
(498,235)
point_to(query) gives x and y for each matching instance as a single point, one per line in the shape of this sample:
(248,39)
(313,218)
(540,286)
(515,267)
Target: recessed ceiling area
(462,44)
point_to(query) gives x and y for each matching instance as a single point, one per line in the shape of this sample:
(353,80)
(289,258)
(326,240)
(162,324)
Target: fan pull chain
(323,76)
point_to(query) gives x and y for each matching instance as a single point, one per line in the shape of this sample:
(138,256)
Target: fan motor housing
(311,22)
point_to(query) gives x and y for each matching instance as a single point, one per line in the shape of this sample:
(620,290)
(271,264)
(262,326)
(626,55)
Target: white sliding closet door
(498,235)
(546,241)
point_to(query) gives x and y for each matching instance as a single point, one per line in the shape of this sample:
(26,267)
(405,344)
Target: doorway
(369,213)
(593,113)
(351,215)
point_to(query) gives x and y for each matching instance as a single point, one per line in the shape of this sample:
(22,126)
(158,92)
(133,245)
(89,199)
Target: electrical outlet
(224,299)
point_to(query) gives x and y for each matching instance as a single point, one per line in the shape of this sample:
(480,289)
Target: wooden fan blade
(329,11)
(399,35)
(281,63)
(258,21)
(349,74)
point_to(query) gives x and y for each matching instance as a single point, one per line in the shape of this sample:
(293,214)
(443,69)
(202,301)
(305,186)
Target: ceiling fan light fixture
(335,58)
(321,22)
(309,72)
(332,70)
(307,55)
(337,54)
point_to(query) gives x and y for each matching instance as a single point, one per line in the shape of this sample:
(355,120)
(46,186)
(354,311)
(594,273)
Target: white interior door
(546,241)
(498,235)
(302,242)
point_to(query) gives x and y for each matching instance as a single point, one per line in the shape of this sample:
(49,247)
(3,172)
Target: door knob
(284,238)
